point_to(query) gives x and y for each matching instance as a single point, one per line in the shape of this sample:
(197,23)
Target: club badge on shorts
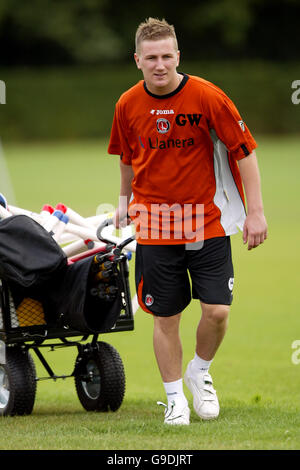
(230,283)
(149,300)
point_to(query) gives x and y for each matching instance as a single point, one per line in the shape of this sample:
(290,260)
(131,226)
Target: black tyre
(100,379)
(17,383)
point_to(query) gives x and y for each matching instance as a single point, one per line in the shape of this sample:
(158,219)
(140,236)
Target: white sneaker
(205,401)
(176,413)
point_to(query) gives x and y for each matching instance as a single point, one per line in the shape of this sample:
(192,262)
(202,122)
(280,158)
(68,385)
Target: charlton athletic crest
(162,125)
(149,300)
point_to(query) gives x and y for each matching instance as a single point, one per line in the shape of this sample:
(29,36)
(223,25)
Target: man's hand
(121,218)
(255,230)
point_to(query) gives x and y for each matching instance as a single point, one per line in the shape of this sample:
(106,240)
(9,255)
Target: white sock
(200,365)
(174,391)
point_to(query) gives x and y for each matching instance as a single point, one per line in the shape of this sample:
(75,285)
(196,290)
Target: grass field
(257,383)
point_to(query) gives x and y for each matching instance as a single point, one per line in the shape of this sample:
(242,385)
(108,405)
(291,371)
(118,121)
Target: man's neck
(160,91)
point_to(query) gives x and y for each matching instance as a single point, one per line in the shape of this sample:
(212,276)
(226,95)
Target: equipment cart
(97,281)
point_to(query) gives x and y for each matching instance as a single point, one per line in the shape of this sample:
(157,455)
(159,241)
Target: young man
(185,156)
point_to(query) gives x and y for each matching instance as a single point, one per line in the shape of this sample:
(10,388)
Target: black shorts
(163,273)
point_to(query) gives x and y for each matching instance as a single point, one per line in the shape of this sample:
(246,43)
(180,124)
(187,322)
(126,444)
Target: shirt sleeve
(118,144)
(231,129)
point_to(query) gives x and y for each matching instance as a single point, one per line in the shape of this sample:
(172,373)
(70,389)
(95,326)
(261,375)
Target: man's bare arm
(126,173)
(255,227)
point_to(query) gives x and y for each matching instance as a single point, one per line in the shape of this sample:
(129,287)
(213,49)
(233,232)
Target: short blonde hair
(153,29)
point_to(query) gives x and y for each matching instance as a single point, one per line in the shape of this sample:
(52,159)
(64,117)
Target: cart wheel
(17,383)
(100,381)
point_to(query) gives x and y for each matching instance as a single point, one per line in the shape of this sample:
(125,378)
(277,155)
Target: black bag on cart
(29,256)
(34,266)
(77,308)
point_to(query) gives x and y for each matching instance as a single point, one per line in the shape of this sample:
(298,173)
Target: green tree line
(47,32)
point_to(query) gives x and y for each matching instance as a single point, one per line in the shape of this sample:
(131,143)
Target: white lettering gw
(118,460)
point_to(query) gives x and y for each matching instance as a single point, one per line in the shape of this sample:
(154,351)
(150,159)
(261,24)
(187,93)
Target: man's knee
(167,324)
(217,314)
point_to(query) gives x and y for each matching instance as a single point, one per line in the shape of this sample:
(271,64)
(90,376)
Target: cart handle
(105,224)
(102,226)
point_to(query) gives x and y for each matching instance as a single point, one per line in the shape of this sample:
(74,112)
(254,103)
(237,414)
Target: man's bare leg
(211,329)
(210,333)
(167,347)
(168,352)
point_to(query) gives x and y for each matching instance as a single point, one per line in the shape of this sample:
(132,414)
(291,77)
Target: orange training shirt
(183,148)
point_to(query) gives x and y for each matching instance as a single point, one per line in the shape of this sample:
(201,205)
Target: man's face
(158,61)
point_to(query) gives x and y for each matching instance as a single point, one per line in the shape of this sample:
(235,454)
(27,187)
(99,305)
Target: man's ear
(137,60)
(178,58)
